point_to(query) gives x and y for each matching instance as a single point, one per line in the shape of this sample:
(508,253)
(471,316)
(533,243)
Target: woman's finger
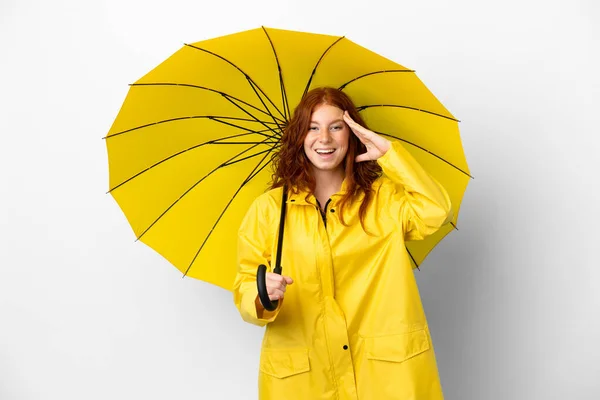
(276,279)
(277,295)
(281,288)
(362,157)
(275,286)
(353,123)
(285,280)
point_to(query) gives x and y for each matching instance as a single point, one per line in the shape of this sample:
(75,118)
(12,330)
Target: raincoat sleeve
(254,248)
(422,203)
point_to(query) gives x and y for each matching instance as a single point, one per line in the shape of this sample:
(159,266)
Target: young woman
(349,322)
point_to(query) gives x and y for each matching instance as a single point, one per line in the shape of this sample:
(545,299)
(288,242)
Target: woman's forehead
(326,113)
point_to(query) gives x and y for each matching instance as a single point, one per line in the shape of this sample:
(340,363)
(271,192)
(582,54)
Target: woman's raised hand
(376,145)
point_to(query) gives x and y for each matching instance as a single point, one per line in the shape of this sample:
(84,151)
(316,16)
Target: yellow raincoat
(352,325)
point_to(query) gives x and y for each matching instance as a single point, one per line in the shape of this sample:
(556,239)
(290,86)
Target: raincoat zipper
(323,213)
(325,316)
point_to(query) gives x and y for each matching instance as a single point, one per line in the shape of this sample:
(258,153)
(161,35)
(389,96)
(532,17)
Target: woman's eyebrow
(332,122)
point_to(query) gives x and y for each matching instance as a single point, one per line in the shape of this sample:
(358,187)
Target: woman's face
(326,142)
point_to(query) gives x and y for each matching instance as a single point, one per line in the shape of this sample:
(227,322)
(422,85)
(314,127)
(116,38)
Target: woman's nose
(324,136)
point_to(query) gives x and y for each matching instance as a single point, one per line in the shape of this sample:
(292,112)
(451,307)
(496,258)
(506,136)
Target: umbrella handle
(261,283)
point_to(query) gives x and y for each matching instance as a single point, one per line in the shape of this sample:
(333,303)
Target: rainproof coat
(352,325)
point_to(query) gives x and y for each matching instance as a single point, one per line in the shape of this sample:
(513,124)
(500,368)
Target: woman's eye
(336,127)
(313,128)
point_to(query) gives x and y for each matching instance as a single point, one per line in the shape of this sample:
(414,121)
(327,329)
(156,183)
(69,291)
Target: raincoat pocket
(282,363)
(398,347)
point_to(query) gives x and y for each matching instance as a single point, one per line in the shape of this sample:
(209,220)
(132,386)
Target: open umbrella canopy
(191,147)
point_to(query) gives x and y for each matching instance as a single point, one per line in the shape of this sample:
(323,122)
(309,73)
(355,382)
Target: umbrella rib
(227,96)
(193,186)
(412,258)
(184,151)
(248,78)
(264,105)
(374,73)
(260,169)
(317,65)
(248,157)
(237,143)
(250,176)
(241,127)
(286,106)
(406,107)
(241,108)
(211,117)
(427,151)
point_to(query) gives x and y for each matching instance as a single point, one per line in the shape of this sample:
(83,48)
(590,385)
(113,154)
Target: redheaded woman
(348,323)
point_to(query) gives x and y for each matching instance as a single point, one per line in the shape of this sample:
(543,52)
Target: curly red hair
(292,166)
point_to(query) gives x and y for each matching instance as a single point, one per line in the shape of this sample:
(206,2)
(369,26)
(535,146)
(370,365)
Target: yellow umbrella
(192,144)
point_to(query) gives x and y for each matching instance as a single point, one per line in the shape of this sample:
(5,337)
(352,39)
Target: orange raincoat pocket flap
(398,347)
(282,363)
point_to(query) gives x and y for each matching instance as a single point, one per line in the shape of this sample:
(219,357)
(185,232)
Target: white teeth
(325,151)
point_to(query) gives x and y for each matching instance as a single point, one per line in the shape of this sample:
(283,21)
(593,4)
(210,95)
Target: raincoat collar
(303,197)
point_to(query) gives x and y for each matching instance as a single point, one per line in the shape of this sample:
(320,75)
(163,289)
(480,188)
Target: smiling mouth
(325,152)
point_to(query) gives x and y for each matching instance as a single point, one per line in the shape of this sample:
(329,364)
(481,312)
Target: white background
(513,298)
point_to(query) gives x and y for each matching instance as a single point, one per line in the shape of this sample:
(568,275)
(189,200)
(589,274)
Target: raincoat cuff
(254,312)
(395,157)
(402,168)
(429,201)
(263,314)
